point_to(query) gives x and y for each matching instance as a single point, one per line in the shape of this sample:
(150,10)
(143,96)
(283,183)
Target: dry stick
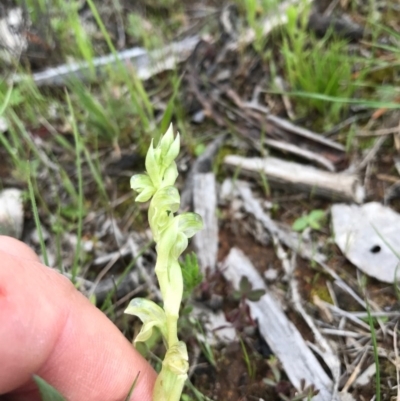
(279,82)
(103,272)
(346,314)
(298,176)
(298,151)
(330,8)
(305,133)
(254,103)
(332,293)
(323,310)
(372,153)
(103,259)
(344,333)
(337,128)
(138,289)
(379,132)
(364,315)
(355,373)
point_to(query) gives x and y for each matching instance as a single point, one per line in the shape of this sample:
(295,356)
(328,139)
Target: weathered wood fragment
(144,64)
(281,335)
(205,241)
(298,177)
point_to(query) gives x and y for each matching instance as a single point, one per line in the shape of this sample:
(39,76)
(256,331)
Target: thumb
(48,328)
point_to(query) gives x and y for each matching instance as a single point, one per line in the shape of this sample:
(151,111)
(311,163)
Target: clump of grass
(317,66)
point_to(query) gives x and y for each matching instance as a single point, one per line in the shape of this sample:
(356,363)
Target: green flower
(150,314)
(160,163)
(142,184)
(170,381)
(171,234)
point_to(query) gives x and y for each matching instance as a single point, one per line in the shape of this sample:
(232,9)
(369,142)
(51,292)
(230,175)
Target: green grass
(317,66)
(37,219)
(376,354)
(78,147)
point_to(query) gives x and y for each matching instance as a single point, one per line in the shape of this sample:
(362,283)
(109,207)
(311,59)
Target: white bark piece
(205,204)
(145,64)
(367,376)
(281,335)
(301,177)
(369,236)
(11,212)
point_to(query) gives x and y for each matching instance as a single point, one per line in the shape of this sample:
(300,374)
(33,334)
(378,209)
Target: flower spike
(171,234)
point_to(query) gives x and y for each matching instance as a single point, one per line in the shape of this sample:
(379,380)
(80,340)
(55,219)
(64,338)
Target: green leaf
(199,149)
(317,214)
(300,224)
(315,218)
(255,295)
(245,285)
(314,224)
(47,392)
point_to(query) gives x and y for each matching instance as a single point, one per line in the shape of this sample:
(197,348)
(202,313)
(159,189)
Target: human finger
(48,328)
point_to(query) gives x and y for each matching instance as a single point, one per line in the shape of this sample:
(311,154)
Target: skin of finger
(17,248)
(48,328)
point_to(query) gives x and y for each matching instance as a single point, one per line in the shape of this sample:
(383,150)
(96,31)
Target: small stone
(271,274)
(11,212)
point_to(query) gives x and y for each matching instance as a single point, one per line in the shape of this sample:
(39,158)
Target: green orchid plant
(171,233)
